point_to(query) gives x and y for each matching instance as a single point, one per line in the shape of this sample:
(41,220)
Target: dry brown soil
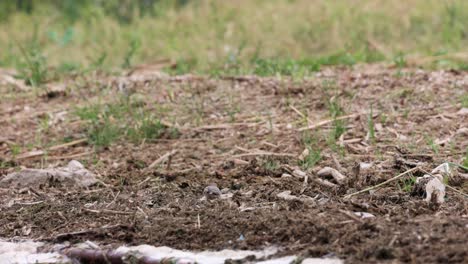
(225,127)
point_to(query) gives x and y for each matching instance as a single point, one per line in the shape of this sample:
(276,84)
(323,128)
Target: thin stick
(458,165)
(77,155)
(264,153)
(225,126)
(328,121)
(162,159)
(72,143)
(351,215)
(383,183)
(301,114)
(36,153)
(456,190)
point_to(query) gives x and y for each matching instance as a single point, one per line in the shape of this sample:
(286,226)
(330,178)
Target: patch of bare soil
(246,135)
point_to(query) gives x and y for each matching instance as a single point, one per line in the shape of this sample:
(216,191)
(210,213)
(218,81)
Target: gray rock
(74,174)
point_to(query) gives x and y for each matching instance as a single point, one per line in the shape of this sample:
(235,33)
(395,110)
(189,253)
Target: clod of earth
(74,174)
(212,192)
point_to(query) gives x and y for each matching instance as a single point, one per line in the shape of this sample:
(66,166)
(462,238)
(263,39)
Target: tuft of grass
(271,165)
(465,160)
(15,150)
(400,60)
(406,184)
(107,123)
(370,125)
(272,67)
(311,159)
(464,100)
(34,67)
(430,141)
(339,126)
(131,52)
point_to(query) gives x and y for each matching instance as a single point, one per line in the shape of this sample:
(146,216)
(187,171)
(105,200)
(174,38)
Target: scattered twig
(29,203)
(161,159)
(324,183)
(113,200)
(106,211)
(143,181)
(301,114)
(68,144)
(225,126)
(269,144)
(351,215)
(143,212)
(264,153)
(456,190)
(328,121)
(36,153)
(383,183)
(72,156)
(84,232)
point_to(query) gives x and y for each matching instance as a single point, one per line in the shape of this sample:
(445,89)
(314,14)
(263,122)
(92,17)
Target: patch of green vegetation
(271,164)
(130,53)
(406,184)
(464,100)
(383,118)
(370,125)
(227,36)
(406,113)
(430,141)
(272,67)
(339,126)
(15,150)
(107,123)
(311,159)
(400,60)
(33,68)
(465,160)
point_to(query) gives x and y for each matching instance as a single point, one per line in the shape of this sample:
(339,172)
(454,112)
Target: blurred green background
(264,37)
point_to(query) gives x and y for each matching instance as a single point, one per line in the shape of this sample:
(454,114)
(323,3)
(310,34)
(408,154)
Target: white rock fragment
(322,261)
(286,195)
(26,253)
(74,174)
(208,257)
(328,171)
(299,174)
(212,192)
(364,215)
(463,111)
(283,260)
(363,166)
(435,190)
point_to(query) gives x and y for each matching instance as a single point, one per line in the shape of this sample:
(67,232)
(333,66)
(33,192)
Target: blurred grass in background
(263,37)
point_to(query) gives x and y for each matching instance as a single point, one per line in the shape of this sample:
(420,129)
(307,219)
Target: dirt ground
(242,133)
